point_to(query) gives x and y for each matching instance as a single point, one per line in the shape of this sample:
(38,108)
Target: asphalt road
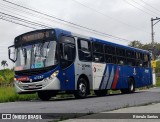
(86,106)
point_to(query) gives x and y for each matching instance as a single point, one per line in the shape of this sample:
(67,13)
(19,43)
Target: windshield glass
(35,56)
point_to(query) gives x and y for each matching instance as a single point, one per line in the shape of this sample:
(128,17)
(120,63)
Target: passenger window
(84,45)
(131,62)
(108,58)
(121,60)
(97,47)
(146,61)
(67,51)
(129,54)
(84,50)
(98,53)
(109,49)
(139,63)
(97,57)
(120,52)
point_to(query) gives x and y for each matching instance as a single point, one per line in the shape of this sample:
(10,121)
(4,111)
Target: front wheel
(81,91)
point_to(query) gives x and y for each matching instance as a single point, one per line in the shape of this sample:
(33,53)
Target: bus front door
(67,66)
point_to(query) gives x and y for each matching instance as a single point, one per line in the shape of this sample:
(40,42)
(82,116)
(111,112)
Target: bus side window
(98,52)
(108,58)
(84,50)
(146,61)
(67,51)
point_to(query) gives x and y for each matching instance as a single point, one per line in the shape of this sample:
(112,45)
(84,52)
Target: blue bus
(50,61)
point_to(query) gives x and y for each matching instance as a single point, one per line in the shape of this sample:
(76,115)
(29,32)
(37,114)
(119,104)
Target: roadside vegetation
(157,70)
(7,90)
(158,81)
(8,94)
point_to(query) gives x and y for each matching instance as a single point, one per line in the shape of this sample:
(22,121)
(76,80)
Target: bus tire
(100,92)
(82,88)
(131,87)
(45,95)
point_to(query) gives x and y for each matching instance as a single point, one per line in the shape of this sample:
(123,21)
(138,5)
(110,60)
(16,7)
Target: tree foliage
(155,49)
(4,63)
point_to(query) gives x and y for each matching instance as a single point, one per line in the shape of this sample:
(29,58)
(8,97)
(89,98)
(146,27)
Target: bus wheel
(101,92)
(81,91)
(131,87)
(44,95)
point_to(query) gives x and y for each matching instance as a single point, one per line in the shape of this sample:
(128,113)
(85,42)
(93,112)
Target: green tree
(155,49)
(4,63)
(136,44)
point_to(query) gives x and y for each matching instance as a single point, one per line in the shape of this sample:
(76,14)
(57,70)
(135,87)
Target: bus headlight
(54,74)
(15,79)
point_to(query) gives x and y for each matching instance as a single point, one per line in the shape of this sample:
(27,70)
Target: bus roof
(101,41)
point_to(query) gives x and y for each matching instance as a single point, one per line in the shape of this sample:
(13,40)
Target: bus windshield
(39,55)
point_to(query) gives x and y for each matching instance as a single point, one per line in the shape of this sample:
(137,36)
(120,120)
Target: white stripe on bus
(111,78)
(105,78)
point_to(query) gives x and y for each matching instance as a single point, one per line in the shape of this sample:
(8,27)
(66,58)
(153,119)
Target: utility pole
(152,33)
(153,46)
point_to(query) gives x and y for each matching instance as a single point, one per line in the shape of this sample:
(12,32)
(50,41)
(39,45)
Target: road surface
(88,105)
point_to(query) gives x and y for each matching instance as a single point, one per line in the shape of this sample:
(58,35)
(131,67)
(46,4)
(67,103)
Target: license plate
(32,86)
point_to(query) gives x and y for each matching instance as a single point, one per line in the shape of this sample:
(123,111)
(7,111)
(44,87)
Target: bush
(1,79)
(157,67)
(6,76)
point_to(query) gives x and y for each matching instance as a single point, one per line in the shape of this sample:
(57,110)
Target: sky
(127,19)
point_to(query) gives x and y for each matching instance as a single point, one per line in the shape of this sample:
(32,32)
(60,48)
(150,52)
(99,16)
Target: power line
(33,15)
(137,8)
(34,28)
(150,5)
(93,30)
(23,20)
(42,18)
(99,12)
(1,17)
(144,7)
(46,25)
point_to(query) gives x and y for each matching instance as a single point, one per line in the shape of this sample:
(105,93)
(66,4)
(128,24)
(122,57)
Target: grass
(114,91)
(8,94)
(158,81)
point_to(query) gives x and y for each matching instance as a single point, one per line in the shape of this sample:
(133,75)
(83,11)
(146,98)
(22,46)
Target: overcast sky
(128,19)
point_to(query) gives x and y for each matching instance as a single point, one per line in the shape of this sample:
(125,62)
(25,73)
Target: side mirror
(12,53)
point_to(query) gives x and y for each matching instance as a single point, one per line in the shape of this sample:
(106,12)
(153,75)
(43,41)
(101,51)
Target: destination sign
(34,36)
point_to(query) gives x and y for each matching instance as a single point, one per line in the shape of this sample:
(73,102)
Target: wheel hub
(82,88)
(131,87)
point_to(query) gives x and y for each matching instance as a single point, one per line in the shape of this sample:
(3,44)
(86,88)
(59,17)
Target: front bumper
(49,84)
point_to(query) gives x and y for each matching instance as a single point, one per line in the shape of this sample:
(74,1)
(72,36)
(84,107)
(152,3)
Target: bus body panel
(97,74)
(84,69)
(68,78)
